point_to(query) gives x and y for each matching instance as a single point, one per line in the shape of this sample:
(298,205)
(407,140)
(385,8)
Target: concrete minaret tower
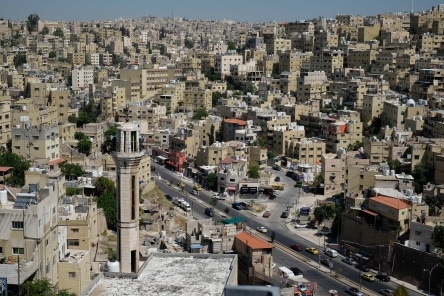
(127,157)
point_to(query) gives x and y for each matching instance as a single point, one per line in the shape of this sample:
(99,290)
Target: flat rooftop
(173,274)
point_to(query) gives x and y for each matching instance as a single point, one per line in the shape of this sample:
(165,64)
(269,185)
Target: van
(237,206)
(331,253)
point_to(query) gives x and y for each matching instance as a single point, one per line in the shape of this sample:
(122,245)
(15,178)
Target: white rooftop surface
(185,276)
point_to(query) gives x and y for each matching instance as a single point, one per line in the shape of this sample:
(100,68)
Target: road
(283,236)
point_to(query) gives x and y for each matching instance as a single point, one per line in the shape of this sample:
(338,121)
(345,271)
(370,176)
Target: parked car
(194,192)
(296,271)
(349,261)
(168,197)
(277,179)
(197,187)
(386,292)
(296,247)
(362,267)
(237,206)
(383,276)
(273,196)
(209,212)
(277,168)
(324,231)
(300,225)
(261,229)
(312,226)
(368,276)
(354,291)
(327,262)
(221,196)
(285,214)
(331,253)
(312,250)
(266,214)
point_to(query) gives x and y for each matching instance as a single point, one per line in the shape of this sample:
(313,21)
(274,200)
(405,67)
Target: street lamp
(430,274)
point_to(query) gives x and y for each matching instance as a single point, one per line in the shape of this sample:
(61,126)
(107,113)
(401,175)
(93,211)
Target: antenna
(413,1)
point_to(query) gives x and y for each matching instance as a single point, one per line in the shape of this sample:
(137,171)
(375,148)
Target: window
(71,274)
(18,251)
(17,224)
(75,230)
(73,243)
(1,250)
(418,233)
(418,243)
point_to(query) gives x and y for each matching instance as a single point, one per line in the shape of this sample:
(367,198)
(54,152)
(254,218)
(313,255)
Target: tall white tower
(127,157)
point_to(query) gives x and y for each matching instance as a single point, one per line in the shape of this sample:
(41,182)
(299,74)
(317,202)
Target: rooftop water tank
(113,266)
(3,196)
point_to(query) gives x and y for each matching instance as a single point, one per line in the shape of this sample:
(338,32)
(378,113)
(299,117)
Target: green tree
(80,136)
(422,175)
(52,54)
(59,33)
(19,165)
(19,59)
(84,146)
(231,45)
(103,184)
(438,236)
(395,165)
(354,146)
(33,22)
(270,154)
(107,201)
(211,135)
(189,43)
(71,169)
(45,30)
(258,142)
(253,172)
(212,180)
(251,88)
(400,291)
(110,143)
(324,212)
(200,113)
(215,97)
(43,287)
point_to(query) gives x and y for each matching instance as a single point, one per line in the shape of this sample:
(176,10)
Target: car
(302,287)
(209,212)
(383,276)
(349,261)
(237,206)
(285,214)
(221,196)
(296,247)
(300,225)
(362,267)
(327,262)
(354,291)
(273,196)
(312,226)
(296,271)
(197,187)
(266,214)
(277,179)
(261,229)
(277,168)
(168,197)
(368,276)
(312,250)
(194,192)
(386,292)
(181,185)
(324,231)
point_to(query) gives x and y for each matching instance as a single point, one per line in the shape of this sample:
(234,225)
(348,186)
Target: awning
(56,161)
(369,212)
(231,188)
(196,246)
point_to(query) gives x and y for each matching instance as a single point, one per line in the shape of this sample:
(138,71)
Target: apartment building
(392,212)
(430,81)
(171,121)
(307,151)
(229,127)
(60,99)
(5,123)
(36,143)
(280,137)
(292,61)
(343,133)
(434,125)
(95,132)
(197,98)
(361,57)
(395,112)
(429,41)
(152,113)
(82,78)
(186,140)
(30,236)
(368,33)
(171,96)
(138,80)
(327,61)
(225,63)
(372,106)
(257,156)
(211,155)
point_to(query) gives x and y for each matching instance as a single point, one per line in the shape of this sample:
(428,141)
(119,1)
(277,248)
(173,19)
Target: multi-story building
(95,132)
(197,99)
(5,123)
(60,99)
(306,151)
(257,156)
(82,78)
(343,133)
(225,63)
(152,113)
(212,155)
(280,137)
(36,143)
(395,112)
(229,126)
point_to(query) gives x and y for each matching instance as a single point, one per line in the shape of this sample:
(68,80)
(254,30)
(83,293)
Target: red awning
(56,161)
(369,212)
(231,188)
(4,169)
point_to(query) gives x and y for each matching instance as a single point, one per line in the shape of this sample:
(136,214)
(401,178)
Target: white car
(261,229)
(221,196)
(301,225)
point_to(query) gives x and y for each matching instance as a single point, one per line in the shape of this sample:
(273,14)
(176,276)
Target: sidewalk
(310,235)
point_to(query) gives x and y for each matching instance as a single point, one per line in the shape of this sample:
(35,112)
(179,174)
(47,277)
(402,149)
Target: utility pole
(18,275)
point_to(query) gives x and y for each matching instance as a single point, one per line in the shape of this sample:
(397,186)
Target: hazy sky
(238,10)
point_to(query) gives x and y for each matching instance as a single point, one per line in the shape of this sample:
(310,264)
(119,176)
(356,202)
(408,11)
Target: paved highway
(283,236)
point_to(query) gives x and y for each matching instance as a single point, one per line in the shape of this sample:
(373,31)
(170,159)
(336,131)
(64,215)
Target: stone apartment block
(269,122)
(376,150)
(95,132)
(186,140)
(171,96)
(343,133)
(5,123)
(172,121)
(37,143)
(359,177)
(197,99)
(224,63)
(152,113)
(211,155)
(434,125)
(372,106)
(229,126)
(280,137)
(257,156)
(30,234)
(395,112)
(361,57)
(60,99)
(307,151)
(82,77)
(430,81)
(230,172)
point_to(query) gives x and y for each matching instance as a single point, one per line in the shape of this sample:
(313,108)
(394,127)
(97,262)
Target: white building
(82,78)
